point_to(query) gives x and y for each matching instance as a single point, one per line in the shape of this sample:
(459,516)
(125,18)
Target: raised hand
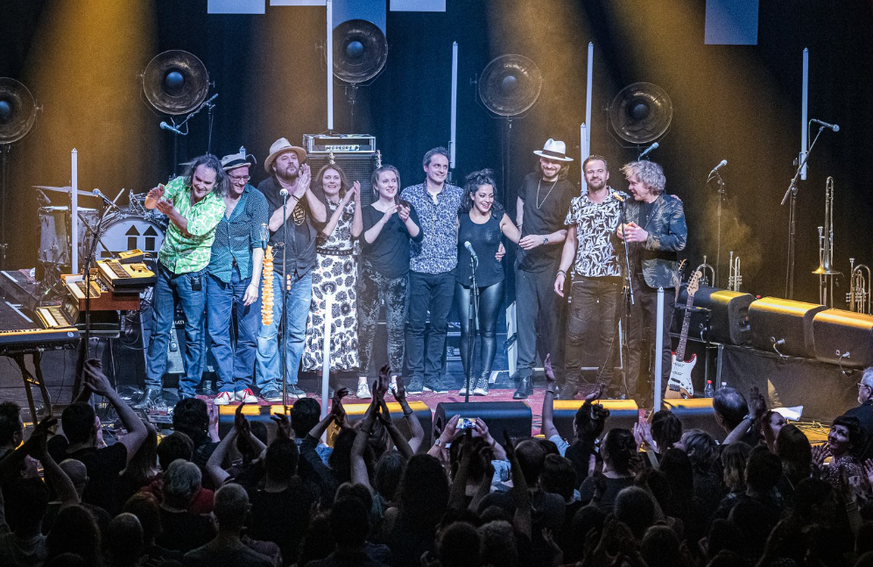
(403,212)
(283,425)
(399,390)
(381,386)
(757,404)
(240,422)
(547,368)
(336,407)
(304,179)
(820,453)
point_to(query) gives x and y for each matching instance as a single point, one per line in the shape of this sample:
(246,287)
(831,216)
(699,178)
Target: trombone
(825,269)
(859,296)
(735,279)
(707,271)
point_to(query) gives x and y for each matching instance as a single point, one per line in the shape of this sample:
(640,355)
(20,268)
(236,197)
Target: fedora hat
(278,148)
(555,150)
(234,161)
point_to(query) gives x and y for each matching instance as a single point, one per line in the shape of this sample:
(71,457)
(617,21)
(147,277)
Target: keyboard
(125,278)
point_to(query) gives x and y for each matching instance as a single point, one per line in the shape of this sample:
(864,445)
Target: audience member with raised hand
(398,388)
(241,430)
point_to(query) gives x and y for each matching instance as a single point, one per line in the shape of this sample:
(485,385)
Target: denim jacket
(668,235)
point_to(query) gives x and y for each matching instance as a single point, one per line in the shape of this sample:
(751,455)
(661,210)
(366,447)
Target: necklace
(539,184)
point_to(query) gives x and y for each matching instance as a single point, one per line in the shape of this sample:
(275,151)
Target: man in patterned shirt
(431,271)
(194,207)
(233,282)
(591,250)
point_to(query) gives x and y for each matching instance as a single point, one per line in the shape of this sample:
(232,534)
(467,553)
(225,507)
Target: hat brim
(236,164)
(553,157)
(268,163)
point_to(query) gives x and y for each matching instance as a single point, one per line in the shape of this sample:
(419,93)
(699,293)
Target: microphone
(101,196)
(173,129)
(649,150)
(284,194)
(472,252)
(618,197)
(823,124)
(720,165)
(263,235)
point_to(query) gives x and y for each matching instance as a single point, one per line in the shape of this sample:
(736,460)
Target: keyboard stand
(30,379)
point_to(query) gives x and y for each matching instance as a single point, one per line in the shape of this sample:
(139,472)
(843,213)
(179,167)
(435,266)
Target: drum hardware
(735,279)
(704,268)
(825,269)
(859,296)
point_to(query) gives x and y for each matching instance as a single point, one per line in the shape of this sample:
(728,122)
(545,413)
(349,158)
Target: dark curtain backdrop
(741,103)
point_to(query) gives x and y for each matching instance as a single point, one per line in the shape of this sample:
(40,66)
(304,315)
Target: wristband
(438,443)
(408,413)
(562,273)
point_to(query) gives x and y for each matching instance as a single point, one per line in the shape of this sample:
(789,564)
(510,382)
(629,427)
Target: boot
(150,397)
(525,388)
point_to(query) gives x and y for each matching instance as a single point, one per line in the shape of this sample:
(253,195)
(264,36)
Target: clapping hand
(283,425)
(336,407)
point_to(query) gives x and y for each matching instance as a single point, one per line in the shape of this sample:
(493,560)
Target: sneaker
(436,386)
(223,398)
(415,386)
(481,388)
(294,392)
(245,396)
(463,390)
(271,395)
(363,392)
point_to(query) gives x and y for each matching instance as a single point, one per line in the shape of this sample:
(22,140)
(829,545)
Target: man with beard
(289,172)
(543,202)
(656,231)
(590,250)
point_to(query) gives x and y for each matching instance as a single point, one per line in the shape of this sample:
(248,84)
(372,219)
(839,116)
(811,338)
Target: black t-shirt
(485,239)
(183,531)
(281,517)
(103,466)
(544,213)
(301,231)
(389,253)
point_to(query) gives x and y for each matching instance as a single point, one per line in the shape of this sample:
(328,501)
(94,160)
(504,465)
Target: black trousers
(591,329)
(641,327)
(540,320)
(490,302)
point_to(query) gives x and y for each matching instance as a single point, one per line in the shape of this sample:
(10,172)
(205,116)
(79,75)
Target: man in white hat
(233,283)
(194,208)
(543,203)
(292,238)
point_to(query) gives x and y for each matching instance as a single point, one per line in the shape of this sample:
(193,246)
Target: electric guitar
(679,384)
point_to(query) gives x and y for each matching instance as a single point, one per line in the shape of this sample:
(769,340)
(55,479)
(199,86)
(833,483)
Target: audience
(660,495)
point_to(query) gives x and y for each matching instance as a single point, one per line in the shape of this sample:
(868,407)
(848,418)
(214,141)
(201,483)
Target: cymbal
(175,82)
(17,110)
(66,190)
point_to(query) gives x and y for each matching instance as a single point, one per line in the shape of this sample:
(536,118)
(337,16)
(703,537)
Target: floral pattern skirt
(334,277)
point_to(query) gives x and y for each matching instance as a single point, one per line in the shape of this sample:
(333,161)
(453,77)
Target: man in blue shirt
(431,271)
(232,286)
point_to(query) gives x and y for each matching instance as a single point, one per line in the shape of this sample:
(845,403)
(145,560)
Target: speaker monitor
(723,318)
(785,323)
(844,338)
(696,413)
(515,417)
(355,413)
(356,166)
(622,415)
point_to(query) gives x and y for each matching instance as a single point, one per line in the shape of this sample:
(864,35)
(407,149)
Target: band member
(194,208)
(590,256)
(389,225)
(656,231)
(335,275)
(288,170)
(233,282)
(481,224)
(543,202)
(431,277)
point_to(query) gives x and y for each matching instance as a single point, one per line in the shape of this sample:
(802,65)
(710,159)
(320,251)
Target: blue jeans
(234,359)
(297,301)
(433,293)
(168,289)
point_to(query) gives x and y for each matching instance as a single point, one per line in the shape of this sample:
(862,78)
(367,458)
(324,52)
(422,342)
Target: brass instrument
(825,269)
(705,269)
(735,279)
(859,295)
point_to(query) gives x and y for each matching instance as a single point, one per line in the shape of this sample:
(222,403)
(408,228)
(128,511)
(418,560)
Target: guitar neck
(683,336)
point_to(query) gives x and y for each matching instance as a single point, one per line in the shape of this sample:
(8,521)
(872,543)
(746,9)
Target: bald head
(77,472)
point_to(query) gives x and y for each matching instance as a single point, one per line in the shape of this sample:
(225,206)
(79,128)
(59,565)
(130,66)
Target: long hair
(472,183)
(210,162)
(649,173)
(344,182)
(374,180)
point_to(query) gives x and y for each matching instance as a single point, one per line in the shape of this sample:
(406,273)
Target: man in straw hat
(233,282)
(194,209)
(289,173)
(543,202)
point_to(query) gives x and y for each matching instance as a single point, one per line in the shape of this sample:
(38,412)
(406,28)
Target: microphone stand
(628,301)
(721,197)
(283,344)
(472,328)
(791,193)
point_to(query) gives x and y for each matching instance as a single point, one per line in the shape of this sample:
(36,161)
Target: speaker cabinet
(844,338)
(357,167)
(515,417)
(355,412)
(720,315)
(785,323)
(696,413)
(622,415)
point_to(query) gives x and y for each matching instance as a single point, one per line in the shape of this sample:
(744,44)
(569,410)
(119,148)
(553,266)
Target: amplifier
(696,413)
(339,143)
(844,338)
(722,317)
(783,325)
(514,417)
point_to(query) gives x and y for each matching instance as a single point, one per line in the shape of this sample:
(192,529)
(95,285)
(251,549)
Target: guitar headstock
(694,283)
